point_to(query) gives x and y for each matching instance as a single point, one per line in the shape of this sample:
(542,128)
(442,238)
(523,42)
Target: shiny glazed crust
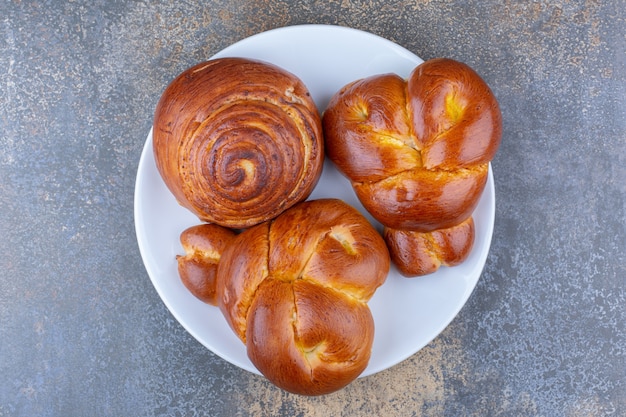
(416,151)
(422,253)
(295,291)
(238,141)
(203,245)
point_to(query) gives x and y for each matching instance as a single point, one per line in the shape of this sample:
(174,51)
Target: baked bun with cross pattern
(417,154)
(295,290)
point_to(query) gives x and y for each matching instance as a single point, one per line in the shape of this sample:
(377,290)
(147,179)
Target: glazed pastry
(238,141)
(295,291)
(203,245)
(416,151)
(422,253)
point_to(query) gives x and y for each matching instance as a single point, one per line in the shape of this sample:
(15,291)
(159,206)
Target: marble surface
(82,330)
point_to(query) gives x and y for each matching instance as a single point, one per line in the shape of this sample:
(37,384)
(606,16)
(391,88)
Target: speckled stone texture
(84,333)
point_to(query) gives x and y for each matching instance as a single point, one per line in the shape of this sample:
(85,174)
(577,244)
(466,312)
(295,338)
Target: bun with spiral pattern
(237,141)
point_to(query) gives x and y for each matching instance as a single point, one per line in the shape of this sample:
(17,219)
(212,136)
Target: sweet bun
(416,151)
(237,141)
(295,291)
(422,253)
(203,245)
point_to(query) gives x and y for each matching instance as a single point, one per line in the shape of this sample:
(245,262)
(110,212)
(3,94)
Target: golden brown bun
(417,253)
(203,245)
(416,151)
(295,291)
(237,141)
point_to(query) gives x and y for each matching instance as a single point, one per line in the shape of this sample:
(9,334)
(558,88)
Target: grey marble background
(84,333)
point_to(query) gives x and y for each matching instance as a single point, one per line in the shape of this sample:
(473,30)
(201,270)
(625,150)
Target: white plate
(408,313)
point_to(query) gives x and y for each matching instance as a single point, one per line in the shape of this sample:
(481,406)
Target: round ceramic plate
(408,313)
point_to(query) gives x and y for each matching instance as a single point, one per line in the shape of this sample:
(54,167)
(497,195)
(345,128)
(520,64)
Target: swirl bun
(416,151)
(238,141)
(295,291)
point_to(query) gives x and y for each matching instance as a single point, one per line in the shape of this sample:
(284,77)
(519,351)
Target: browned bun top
(295,290)
(203,245)
(421,253)
(455,116)
(416,151)
(237,141)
